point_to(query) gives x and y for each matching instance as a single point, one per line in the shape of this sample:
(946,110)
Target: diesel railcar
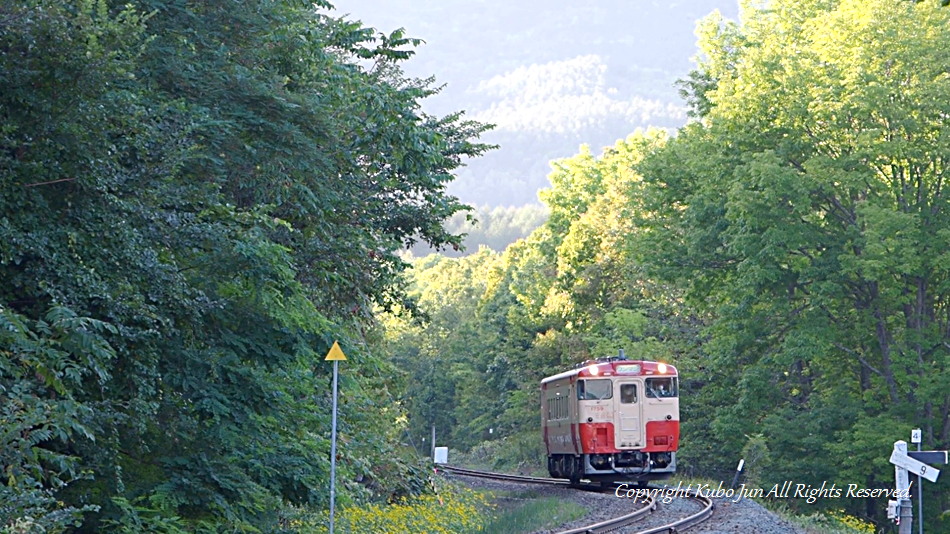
(611,419)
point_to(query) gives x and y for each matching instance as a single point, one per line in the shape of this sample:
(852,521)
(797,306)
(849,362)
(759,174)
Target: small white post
(735,479)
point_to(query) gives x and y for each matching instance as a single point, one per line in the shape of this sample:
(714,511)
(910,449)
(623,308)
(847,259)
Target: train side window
(557,408)
(597,389)
(661,388)
(628,393)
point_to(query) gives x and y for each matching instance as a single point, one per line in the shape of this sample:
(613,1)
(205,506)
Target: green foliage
(801,214)
(198,198)
(787,251)
(756,456)
(43,365)
(141,518)
(531,513)
(833,523)
(446,387)
(496,324)
(521,452)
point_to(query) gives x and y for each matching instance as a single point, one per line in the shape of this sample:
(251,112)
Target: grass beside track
(528,511)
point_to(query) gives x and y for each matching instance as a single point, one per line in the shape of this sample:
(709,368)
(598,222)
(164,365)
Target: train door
(628,425)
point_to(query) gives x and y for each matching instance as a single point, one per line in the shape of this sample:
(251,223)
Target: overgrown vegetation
(196,200)
(786,250)
(833,522)
(448,509)
(530,512)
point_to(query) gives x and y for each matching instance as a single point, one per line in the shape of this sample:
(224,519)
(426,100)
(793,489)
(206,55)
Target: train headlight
(594,370)
(661,368)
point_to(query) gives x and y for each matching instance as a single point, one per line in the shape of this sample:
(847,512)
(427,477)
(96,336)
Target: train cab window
(661,388)
(597,389)
(628,393)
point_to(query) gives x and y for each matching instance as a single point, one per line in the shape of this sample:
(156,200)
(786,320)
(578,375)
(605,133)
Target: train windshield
(597,389)
(661,388)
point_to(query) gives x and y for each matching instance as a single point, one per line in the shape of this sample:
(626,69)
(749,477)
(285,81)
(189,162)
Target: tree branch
(860,359)
(50,182)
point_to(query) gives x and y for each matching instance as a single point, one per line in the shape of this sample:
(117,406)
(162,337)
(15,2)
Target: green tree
(806,214)
(218,191)
(569,291)
(43,365)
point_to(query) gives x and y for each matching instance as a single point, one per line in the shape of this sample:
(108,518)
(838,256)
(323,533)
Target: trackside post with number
(904,464)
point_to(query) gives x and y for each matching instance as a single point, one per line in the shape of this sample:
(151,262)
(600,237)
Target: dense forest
(787,250)
(198,198)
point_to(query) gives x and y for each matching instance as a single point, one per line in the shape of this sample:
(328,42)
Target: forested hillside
(552,75)
(493,227)
(787,250)
(196,200)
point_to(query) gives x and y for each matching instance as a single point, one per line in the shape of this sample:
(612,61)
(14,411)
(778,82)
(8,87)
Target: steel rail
(503,476)
(649,504)
(689,521)
(670,528)
(610,524)
(615,523)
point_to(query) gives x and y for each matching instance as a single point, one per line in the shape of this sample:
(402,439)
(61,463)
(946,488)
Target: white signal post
(904,513)
(905,463)
(336,356)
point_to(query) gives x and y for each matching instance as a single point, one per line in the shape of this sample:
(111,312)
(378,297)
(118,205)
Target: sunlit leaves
(809,211)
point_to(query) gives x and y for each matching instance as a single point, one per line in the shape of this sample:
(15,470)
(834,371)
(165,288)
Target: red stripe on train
(662,436)
(597,438)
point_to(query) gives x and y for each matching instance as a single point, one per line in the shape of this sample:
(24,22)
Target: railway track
(503,476)
(614,524)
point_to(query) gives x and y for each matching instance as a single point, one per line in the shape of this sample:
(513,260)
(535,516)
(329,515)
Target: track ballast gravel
(745,516)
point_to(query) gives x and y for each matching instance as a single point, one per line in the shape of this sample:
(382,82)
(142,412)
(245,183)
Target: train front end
(612,419)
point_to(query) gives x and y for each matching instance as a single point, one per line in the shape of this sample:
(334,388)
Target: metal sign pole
(336,366)
(335,355)
(920,501)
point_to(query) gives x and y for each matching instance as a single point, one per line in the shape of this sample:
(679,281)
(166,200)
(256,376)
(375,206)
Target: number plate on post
(914,467)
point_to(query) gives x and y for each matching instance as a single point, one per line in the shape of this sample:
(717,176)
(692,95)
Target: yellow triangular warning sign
(336,353)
